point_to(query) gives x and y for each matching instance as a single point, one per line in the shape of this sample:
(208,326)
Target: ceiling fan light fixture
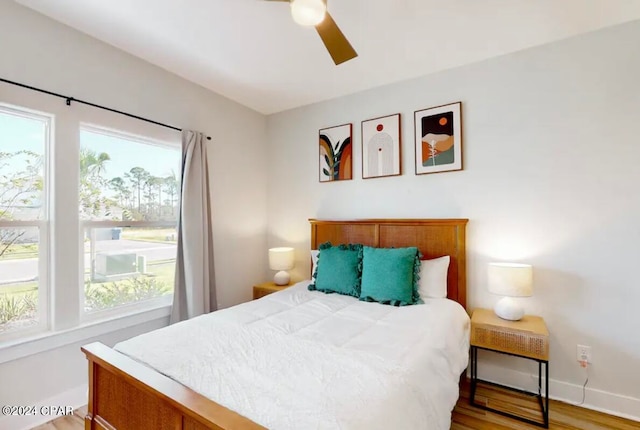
(308,12)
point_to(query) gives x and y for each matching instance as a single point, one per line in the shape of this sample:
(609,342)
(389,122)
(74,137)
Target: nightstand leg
(540,378)
(475,369)
(543,401)
(546,394)
(474,374)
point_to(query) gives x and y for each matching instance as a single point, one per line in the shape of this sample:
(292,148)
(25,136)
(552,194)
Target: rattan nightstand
(267,288)
(527,338)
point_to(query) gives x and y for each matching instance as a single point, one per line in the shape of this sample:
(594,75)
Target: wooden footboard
(126,395)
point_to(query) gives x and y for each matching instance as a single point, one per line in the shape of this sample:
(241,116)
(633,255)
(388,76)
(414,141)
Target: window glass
(125,178)
(23,139)
(22,156)
(128,265)
(129,206)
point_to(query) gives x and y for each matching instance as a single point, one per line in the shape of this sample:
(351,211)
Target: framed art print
(438,139)
(336,153)
(381,147)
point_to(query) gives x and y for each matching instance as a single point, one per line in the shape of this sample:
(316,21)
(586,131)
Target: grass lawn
(20,288)
(164,270)
(150,234)
(19,251)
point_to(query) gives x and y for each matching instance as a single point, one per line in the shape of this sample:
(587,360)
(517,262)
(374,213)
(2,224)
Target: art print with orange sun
(438,139)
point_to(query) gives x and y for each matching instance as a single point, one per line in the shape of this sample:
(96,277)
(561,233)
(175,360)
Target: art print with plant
(336,153)
(438,139)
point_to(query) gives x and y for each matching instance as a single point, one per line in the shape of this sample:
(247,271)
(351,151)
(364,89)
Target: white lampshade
(281,259)
(510,279)
(308,12)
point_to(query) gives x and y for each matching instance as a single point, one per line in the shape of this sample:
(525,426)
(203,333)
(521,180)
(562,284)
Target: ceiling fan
(314,13)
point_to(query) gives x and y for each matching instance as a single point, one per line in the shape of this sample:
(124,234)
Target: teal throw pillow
(338,270)
(390,275)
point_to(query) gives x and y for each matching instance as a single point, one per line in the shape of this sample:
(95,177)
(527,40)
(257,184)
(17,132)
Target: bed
(288,360)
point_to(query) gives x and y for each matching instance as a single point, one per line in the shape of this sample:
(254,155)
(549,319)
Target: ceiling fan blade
(337,44)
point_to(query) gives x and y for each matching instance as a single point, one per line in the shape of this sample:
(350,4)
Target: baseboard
(75,398)
(598,400)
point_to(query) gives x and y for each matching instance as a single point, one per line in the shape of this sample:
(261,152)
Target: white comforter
(307,360)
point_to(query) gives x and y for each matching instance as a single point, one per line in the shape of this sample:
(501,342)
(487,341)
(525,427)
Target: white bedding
(299,359)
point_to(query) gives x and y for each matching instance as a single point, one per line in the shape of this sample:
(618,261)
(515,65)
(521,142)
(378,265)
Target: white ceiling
(252,52)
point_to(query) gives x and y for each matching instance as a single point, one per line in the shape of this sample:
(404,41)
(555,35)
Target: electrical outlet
(583,354)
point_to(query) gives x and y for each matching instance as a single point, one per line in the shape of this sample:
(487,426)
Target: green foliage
(137,177)
(10,249)
(122,192)
(171,189)
(20,188)
(8,238)
(17,307)
(92,167)
(30,303)
(137,192)
(21,307)
(109,295)
(140,195)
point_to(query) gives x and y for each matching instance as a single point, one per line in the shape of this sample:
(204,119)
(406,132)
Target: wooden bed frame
(127,395)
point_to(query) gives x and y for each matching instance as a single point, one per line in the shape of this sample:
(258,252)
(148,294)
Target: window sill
(47,341)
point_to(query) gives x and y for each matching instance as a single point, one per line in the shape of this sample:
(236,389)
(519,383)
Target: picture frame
(438,139)
(381,146)
(336,153)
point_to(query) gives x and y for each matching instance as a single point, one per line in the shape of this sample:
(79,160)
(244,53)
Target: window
(128,209)
(87,221)
(24,291)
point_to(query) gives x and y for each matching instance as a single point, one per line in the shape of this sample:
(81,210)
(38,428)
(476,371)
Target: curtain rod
(69,99)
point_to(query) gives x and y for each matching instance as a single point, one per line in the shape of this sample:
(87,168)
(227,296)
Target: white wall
(41,52)
(550,178)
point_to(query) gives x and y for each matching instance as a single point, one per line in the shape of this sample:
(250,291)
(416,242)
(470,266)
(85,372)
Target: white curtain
(195,290)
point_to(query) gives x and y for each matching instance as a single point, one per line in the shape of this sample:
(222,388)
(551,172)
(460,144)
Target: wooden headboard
(433,237)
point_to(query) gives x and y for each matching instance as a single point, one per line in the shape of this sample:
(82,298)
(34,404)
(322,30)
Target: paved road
(14,271)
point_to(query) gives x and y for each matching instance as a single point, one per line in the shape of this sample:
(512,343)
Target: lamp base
(282,278)
(509,309)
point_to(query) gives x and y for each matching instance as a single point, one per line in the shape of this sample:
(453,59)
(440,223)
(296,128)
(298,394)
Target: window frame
(44,311)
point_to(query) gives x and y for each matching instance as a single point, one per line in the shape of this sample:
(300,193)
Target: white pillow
(433,278)
(314,261)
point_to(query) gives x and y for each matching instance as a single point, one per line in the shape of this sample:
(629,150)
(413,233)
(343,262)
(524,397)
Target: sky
(126,154)
(29,133)
(17,133)
(21,133)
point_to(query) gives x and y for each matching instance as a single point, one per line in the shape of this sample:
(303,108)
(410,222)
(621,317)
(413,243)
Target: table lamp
(281,259)
(510,280)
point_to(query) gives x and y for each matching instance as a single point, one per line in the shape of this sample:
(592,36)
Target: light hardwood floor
(562,415)
(71,422)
